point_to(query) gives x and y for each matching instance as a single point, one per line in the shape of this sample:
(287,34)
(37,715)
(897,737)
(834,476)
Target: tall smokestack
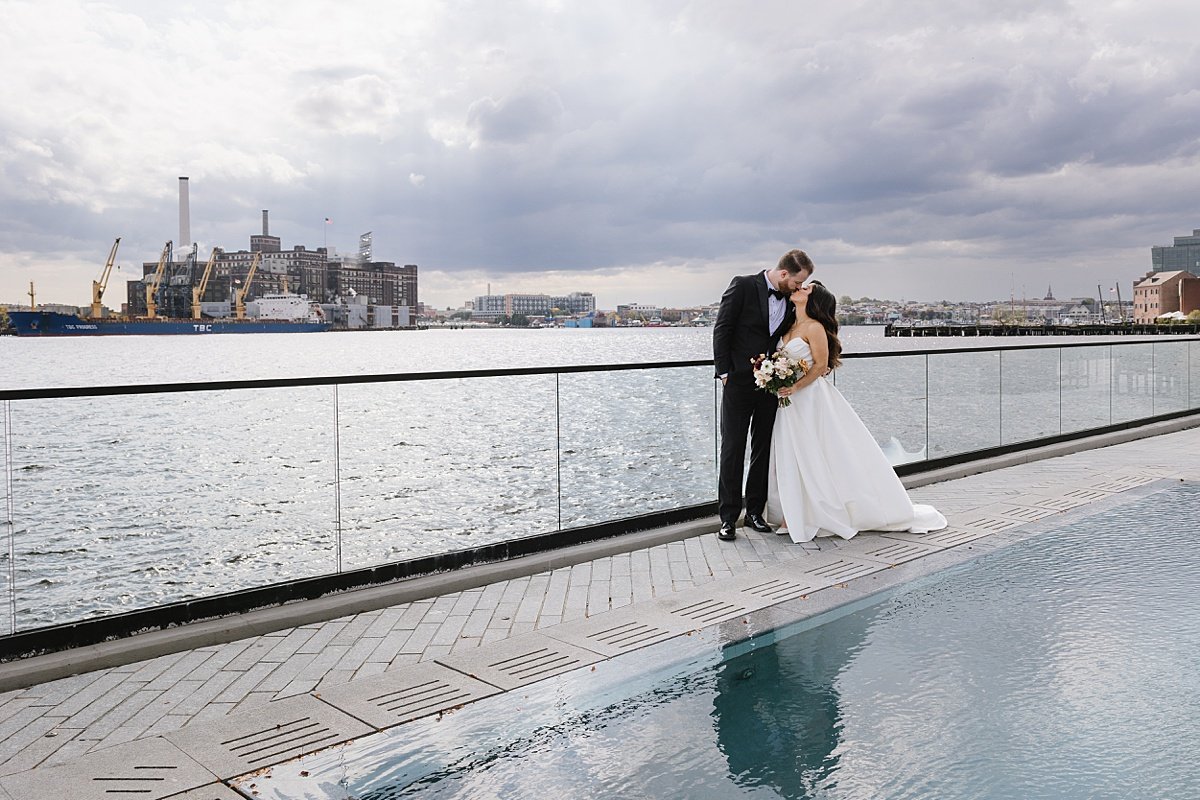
(185,217)
(265,223)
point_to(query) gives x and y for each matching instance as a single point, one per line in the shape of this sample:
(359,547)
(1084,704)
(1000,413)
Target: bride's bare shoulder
(810,328)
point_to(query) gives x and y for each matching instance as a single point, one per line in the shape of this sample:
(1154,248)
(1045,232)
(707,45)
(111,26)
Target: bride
(828,476)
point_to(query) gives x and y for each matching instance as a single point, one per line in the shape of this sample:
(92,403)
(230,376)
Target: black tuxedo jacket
(741,331)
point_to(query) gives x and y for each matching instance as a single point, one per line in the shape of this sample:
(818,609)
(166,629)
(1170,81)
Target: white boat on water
(286,306)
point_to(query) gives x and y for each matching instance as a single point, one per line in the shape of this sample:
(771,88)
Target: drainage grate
(280,742)
(1063,503)
(843,570)
(1123,484)
(895,552)
(629,636)
(149,769)
(265,735)
(1023,513)
(949,537)
(1086,495)
(402,695)
(536,664)
(711,610)
(523,659)
(140,780)
(991,524)
(780,590)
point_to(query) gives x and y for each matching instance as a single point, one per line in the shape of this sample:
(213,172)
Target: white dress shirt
(776,305)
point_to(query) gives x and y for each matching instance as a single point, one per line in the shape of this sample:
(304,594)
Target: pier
(998,329)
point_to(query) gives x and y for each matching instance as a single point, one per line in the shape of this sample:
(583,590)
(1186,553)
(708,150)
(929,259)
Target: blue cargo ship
(52,323)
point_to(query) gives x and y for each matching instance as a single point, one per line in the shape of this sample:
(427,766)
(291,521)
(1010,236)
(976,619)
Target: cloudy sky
(917,149)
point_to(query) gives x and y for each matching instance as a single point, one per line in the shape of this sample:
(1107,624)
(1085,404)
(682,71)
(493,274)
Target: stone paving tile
(24,728)
(119,715)
(34,746)
(14,707)
(99,688)
(323,634)
(368,669)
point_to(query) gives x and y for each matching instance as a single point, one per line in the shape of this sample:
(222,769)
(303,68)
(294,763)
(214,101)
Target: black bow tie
(777,293)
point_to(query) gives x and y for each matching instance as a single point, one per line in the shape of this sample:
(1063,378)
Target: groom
(754,312)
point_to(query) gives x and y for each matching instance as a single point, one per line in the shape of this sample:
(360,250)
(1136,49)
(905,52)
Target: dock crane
(99,286)
(241,293)
(155,282)
(198,291)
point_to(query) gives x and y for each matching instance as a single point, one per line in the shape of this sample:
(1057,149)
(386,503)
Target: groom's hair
(796,260)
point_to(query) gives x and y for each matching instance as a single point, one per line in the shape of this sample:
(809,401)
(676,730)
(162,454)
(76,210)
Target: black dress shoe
(727,533)
(757,523)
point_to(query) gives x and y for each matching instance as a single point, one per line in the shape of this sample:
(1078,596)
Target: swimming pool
(1063,666)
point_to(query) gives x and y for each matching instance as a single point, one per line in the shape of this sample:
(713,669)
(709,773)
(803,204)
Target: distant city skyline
(957,151)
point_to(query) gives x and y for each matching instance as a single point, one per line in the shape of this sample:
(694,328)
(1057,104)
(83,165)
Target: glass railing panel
(1170,377)
(1133,381)
(1029,394)
(1086,385)
(436,466)
(8,598)
(1193,374)
(888,394)
(636,441)
(124,503)
(964,402)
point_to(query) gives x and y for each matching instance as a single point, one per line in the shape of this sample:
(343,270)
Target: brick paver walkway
(59,721)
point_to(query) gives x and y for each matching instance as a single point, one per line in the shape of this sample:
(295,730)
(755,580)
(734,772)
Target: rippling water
(127,502)
(1061,667)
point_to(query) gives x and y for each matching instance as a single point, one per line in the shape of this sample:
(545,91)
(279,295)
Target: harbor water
(130,501)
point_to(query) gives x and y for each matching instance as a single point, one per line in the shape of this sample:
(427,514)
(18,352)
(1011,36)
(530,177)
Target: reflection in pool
(1062,666)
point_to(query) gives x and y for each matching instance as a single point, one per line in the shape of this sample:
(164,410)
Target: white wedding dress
(828,477)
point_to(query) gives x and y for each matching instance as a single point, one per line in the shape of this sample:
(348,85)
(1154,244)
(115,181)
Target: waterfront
(128,501)
(88,361)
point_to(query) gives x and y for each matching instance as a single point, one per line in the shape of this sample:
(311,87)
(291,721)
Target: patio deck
(58,737)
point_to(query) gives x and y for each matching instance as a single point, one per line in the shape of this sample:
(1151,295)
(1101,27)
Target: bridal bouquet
(774,372)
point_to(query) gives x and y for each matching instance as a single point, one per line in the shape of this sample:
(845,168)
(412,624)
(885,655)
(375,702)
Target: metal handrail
(398,377)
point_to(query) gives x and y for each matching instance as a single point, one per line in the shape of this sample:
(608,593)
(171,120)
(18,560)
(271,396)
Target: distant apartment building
(488,307)
(1163,292)
(1183,255)
(492,306)
(638,310)
(575,303)
(383,282)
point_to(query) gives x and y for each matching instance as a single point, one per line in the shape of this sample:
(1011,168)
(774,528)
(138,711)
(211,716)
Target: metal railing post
(927,406)
(337,476)
(1000,398)
(558,446)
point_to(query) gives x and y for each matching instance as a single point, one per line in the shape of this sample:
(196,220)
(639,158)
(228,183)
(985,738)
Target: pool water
(1066,665)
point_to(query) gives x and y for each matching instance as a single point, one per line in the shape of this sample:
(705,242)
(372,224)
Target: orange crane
(241,293)
(155,282)
(99,286)
(198,291)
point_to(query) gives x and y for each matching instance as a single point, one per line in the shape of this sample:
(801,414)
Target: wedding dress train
(828,476)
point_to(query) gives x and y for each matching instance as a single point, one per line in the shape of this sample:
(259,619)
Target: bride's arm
(814,333)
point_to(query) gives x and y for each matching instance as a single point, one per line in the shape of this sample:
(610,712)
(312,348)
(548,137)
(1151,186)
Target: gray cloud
(911,145)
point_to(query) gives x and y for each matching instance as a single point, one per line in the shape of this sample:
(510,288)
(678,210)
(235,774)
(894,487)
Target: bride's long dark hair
(822,306)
